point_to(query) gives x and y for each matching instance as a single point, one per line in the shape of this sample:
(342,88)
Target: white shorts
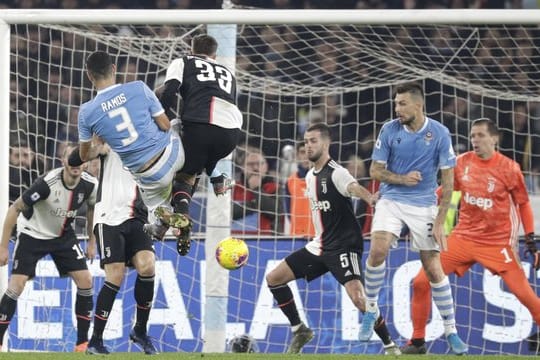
(155,183)
(390,216)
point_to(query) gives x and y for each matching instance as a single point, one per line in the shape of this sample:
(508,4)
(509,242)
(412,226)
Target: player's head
(301,155)
(484,137)
(317,141)
(204,45)
(99,66)
(409,102)
(243,344)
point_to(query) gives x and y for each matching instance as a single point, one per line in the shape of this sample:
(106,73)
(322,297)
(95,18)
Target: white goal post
(382,68)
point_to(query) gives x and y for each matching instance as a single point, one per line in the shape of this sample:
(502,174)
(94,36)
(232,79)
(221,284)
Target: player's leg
(144,262)
(156,190)
(385,231)
(69,258)
(456,259)
(420,222)
(502,260)
(227,139)
(84,303)
(346,270)
(299,264)
(8,303)
(26,254)
(111,245)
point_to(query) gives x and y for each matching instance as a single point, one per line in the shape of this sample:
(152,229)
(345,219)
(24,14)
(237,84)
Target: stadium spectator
(296,203)
(407,156)
(337,245)
(256,204)
(44,215)
(23,168)
(484,234)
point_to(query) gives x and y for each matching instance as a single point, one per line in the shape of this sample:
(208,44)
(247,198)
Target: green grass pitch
(200,356)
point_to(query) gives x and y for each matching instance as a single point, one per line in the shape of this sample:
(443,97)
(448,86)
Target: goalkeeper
(493,195)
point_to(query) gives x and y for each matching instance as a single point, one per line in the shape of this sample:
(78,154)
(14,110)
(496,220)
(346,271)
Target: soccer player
(44,215)
(494,200)
(406,158)
(211,121)
(118,225)
(131,120)
(337,246)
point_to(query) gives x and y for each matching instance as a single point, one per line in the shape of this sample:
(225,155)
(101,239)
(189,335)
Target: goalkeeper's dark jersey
(208,91)
(336,227)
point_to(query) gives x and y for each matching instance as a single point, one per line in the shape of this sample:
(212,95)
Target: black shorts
(118,244)
(344,266)
(205,145)
(65,251)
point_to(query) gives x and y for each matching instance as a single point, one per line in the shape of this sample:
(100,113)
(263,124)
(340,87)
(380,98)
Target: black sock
(83,312)
(285,301)
(144,294)
(418,342)
(104,304)
(181,197)
(8,304)
(382,331)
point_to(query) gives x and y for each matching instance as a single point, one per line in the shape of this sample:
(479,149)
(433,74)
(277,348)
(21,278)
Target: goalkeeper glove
(530,249)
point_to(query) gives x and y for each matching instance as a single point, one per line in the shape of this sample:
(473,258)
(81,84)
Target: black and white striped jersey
(208,91)
(53,206)
(336,227)
(118,197)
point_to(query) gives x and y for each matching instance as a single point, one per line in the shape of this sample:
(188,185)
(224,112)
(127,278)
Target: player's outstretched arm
(447,186)
(91,245)
(357,190)
(9,223)
(163,122)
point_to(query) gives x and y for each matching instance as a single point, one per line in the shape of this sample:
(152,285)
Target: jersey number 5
(209,72)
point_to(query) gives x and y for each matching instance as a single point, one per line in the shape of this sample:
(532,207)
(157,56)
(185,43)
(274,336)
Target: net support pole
(4,141)
(218,220)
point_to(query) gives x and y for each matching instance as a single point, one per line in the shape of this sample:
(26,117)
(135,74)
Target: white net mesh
(288,77)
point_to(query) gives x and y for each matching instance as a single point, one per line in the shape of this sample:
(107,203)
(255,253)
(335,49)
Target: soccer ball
(232,253)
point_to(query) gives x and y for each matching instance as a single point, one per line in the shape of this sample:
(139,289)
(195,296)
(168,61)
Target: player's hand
(412,178)
(91,251)
(373,199)
(532,251)
(440,236)
(4,255)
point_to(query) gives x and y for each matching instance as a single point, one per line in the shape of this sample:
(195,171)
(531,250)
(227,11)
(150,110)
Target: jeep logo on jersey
(64,213)
(482,203)
(323,205)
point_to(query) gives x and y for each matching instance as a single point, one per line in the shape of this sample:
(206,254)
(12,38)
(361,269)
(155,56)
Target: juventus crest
(323,185)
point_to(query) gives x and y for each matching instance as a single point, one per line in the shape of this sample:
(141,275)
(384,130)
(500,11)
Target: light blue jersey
(122,115)
(403,151)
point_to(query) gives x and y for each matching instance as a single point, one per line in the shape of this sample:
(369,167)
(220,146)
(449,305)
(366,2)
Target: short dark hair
(322,128)
(412,88)
(492,128)
(204,45)
(99,64)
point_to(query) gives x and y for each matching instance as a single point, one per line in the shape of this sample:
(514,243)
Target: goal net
(289,76)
